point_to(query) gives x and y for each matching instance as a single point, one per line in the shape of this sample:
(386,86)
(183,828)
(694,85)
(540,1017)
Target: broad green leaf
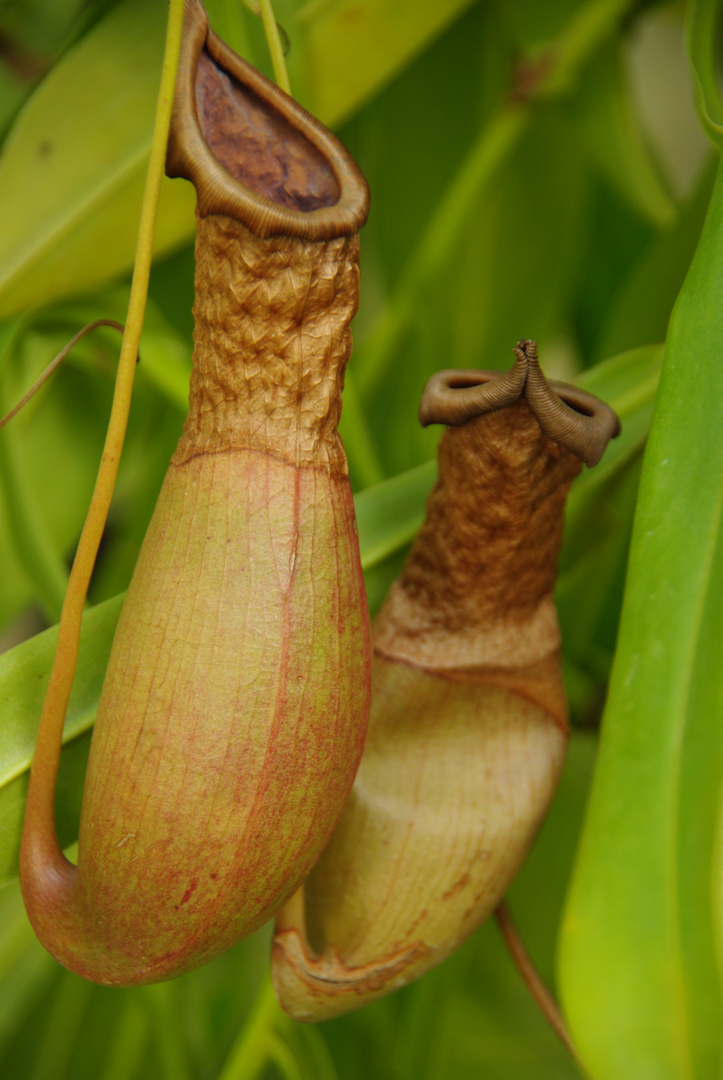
(33,35)
(13,90)
(36,550)
(638,953)
(39,555)
(73,168)
(534,24)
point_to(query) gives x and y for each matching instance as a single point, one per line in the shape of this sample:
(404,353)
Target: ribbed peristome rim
(190,157)
(572,417)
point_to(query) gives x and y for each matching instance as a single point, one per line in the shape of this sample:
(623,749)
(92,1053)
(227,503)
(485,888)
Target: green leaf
(56,442)
(389,514)
(352,48)
(38,554)
(70,190)
(639,949)
(24,673)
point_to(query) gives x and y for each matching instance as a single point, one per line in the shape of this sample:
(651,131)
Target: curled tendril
(55,362)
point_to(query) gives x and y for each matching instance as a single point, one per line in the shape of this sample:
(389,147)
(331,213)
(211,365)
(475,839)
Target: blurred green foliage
(519,156)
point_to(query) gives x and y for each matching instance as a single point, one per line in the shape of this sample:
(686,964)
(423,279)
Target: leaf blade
(638,944)
(79,229)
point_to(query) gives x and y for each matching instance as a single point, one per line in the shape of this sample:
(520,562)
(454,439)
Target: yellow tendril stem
(271,29)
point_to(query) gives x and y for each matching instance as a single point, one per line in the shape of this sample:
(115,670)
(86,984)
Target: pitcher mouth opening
(252,152)
(580,401)
(571,417)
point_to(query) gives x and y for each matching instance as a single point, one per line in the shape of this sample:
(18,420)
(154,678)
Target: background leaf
(642,899)
(77,187)
(351,50)
(24,673)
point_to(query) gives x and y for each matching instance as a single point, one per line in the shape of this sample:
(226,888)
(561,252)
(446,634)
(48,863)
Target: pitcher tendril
(55,362)
(532,978)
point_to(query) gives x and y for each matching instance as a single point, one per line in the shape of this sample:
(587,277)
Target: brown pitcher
(468,726)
